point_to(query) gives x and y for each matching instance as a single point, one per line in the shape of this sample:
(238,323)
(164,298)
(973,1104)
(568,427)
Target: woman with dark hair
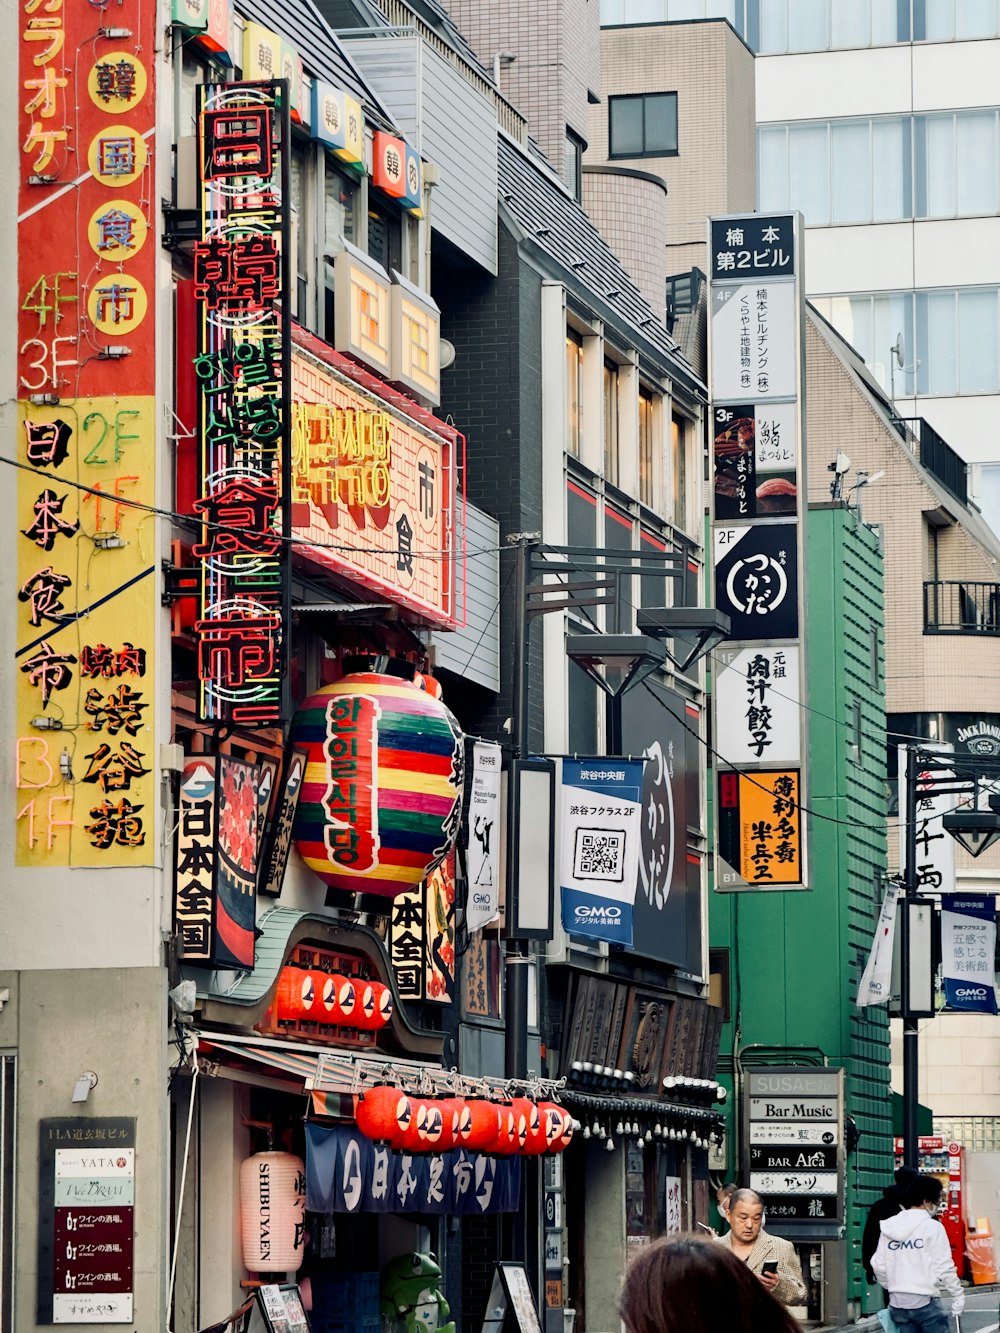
(687,1284)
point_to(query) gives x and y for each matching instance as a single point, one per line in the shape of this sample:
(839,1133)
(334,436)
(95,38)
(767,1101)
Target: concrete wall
(714,170)
(112,1022)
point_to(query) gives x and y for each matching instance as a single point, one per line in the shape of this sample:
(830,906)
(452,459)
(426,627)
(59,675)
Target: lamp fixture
(637,655)
(694,630)
(974,830)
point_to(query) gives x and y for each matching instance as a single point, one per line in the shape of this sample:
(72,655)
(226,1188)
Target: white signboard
(935,868)
(801,1133)
(672,1190)
(794,1182)
(788,1108)
(484,836)
(757,706)
(754,329)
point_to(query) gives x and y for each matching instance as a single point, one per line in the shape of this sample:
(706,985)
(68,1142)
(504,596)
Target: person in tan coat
(772,1259)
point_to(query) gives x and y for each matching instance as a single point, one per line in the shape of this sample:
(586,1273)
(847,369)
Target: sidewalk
(869,1323)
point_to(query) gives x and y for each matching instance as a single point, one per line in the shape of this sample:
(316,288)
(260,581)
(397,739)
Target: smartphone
(705,1227)
(771,1266)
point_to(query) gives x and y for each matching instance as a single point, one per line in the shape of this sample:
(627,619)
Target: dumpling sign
(381,803)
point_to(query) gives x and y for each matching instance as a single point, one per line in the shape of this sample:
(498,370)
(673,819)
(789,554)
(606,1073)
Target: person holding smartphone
(772,1259)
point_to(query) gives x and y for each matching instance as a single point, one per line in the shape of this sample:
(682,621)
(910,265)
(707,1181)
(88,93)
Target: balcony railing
(939,458)
(957,607)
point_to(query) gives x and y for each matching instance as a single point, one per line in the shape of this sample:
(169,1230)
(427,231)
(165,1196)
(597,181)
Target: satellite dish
(897,350)
(447,353)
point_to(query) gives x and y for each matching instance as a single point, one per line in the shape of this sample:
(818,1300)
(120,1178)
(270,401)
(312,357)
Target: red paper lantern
(459,1116)
(563,1141)
(339,999)
(373,1007)
(507,1140)
(386,1115)
(553,1118)
(530,1128)
(484,1127)
(435,1126)
(297,998)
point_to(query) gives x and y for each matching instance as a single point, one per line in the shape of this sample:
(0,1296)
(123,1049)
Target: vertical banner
(875,985)
(599,862)
(968,943)
(86,583)
(243,372)
(934,870)
(484,836)
(757,385)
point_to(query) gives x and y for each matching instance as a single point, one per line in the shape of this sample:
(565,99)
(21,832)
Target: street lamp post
(974,829)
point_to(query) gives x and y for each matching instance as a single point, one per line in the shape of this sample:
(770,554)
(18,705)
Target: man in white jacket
(913,1260)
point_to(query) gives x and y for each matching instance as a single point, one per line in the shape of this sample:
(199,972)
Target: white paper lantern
(272,1212)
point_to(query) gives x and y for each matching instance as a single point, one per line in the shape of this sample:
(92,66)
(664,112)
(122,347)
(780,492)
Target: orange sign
(373,489)
(760,826)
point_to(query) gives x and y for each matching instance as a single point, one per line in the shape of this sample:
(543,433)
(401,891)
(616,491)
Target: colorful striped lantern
(381,802)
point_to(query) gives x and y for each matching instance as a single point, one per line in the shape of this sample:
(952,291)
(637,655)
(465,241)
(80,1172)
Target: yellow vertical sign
(87,588)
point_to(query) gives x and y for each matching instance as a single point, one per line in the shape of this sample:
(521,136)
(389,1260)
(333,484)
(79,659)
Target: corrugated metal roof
(322,54)
(556,224)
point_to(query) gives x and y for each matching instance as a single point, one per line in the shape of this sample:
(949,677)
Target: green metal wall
(795,957)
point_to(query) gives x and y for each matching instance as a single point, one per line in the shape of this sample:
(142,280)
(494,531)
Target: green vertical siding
(796,957)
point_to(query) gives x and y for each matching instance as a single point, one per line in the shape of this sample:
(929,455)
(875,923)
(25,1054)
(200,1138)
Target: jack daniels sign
(243,373)
(347,1173)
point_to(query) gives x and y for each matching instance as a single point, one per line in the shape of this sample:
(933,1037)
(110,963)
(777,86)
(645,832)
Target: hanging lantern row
(309,996)
(647,1121)
(425,1124)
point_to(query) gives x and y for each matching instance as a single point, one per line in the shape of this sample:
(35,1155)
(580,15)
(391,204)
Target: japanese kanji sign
(934,871)
(85,632)
(791,1133)
(757,705)
(371,489)
(759,822)
(242,370)
(756,361)
(968,942)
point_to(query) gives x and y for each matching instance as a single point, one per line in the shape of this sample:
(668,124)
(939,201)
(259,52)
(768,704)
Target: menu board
(511,1292)
(86,1220)
(282,1308)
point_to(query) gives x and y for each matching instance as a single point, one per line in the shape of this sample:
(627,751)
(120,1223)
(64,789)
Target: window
(573,164)
(647,480)
(611,459)
(678,451)
(574,392)
(385,235)
(644,125)
(951,336)
(883,169)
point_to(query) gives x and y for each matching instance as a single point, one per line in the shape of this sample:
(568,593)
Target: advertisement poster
(600,846)
(968,943)
(484,836)
(759,829)
(755,450)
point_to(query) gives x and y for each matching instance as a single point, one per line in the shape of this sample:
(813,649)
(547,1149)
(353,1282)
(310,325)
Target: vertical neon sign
(243,372)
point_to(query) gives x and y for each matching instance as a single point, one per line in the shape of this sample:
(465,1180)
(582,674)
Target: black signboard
(757,581)
(753,247)
(783,1157)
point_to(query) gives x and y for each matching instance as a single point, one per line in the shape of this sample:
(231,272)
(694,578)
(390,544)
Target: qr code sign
(599,854)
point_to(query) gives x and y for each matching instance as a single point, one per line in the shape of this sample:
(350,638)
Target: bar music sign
(794,1135)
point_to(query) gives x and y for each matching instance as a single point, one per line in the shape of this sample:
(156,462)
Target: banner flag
(876,980)
(484,836)
(599,863)
(968,941)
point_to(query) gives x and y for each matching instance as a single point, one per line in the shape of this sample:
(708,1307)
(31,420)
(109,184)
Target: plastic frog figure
(410,1295)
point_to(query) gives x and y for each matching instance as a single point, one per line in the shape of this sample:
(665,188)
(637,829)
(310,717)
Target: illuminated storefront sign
(242,370)
(85,570)
(339,122)
(372,491)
